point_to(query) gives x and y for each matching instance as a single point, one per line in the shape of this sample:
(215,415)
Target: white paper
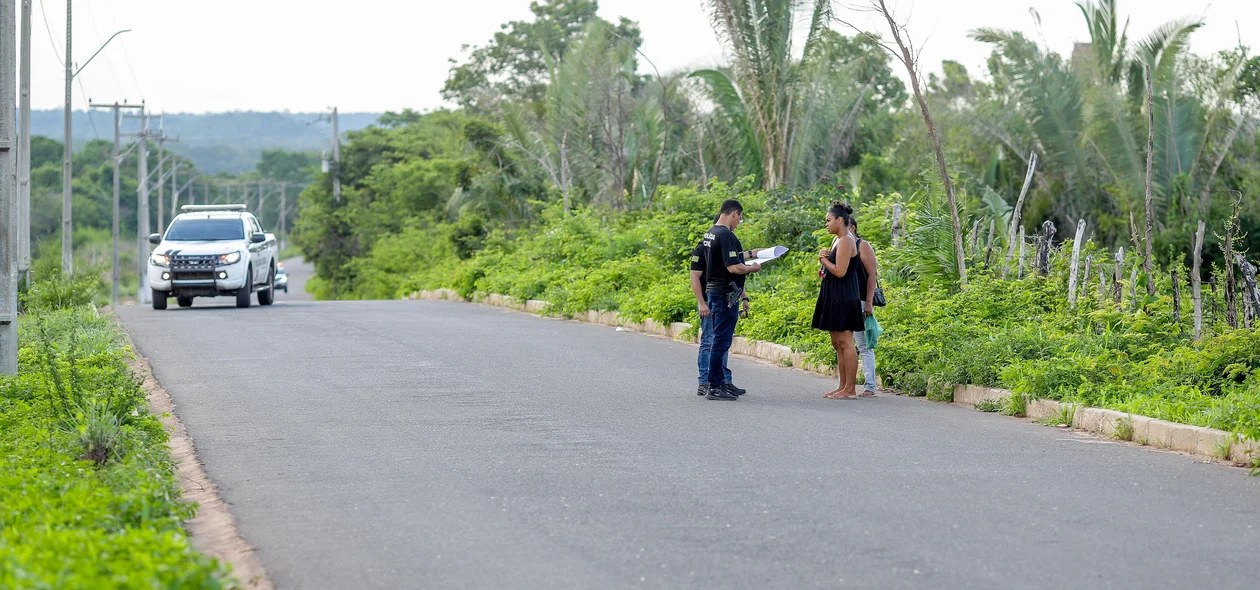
(767,254)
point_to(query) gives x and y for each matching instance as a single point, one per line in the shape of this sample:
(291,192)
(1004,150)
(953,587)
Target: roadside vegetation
(572,171)
(88,495)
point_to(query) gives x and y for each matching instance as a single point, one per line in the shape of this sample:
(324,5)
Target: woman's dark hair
(840,210)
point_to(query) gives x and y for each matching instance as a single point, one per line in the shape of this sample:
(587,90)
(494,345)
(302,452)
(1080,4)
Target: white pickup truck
(213,251)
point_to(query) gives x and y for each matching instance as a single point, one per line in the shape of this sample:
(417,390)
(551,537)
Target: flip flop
(838,395)
(866,393)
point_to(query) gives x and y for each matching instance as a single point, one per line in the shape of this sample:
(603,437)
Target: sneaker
(735,390)
(721,393)
(703,389)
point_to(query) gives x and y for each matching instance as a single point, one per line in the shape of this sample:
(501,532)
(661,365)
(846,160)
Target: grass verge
(87,485)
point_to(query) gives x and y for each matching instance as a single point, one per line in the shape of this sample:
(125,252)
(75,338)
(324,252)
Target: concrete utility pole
(161,175)
(8,195)
(336,157)
(143,294)
(24,148)
(117,157)
(283,188)
(66,165)
(161,226)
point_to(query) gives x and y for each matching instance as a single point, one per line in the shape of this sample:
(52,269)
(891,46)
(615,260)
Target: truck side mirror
(155,239)
(258,238)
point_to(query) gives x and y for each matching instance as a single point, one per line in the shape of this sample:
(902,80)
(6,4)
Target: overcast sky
(375,55)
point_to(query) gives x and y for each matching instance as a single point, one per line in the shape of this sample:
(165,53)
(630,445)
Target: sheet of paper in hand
(767,254)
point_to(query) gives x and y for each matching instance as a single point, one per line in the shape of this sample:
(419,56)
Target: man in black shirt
(699,278)
(724,272)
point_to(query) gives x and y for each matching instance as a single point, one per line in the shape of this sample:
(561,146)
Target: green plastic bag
(873,330)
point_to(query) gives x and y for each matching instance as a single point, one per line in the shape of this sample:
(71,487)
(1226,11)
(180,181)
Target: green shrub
(87,486)
(1020,334)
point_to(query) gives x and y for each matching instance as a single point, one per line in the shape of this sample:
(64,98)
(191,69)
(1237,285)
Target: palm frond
(730,107)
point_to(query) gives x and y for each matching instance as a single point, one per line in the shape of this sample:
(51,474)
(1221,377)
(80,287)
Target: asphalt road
(399,444)
(299,271)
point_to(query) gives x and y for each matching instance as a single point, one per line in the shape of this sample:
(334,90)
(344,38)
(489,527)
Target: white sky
(375,55)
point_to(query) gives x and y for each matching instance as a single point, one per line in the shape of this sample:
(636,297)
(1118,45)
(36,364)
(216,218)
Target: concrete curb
(1196,440)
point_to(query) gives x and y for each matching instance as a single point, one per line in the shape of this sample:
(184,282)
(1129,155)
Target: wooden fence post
(1022,239)
(1018,212)
(896,224)
(988,246)
(1231,286)
(1117,285)
(1043,247)
(1176,298)
(1102,282)
(1196,282)
(1150,155)
(1076,259)
(1133,278)
(1089,263)
(1251,294)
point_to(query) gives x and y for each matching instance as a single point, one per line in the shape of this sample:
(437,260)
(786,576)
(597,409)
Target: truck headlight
(160,259)
(232,258)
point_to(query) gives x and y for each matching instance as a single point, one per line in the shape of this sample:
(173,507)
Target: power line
(83,91)
(127,60)
(110,64)
(48,27)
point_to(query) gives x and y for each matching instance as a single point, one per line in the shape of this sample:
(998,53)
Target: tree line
(565,108)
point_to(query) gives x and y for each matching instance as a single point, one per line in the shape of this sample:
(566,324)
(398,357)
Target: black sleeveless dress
(839,307)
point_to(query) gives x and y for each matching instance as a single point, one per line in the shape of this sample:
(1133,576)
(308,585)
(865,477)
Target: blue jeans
(868,361)
(722,317)
(706,347)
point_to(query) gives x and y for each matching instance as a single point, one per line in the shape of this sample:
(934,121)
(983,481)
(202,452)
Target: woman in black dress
(839,307)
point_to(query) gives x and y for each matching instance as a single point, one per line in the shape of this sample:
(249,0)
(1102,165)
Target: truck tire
(267,294)
(184,301)
(242,294)
(159,299)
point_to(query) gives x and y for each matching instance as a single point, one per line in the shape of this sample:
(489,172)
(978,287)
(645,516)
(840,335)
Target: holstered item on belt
(732,298)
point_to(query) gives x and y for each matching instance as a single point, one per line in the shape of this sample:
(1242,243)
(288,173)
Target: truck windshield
(199,230)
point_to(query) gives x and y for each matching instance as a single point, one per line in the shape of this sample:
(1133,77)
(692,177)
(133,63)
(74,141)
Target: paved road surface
(443,445)
(299,271)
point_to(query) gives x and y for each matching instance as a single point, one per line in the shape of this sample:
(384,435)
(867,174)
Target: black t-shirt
(699,263)
(722,249)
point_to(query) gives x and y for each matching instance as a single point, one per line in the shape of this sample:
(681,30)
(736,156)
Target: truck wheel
(242,294)
(268,294)
(184,301)
(159,299)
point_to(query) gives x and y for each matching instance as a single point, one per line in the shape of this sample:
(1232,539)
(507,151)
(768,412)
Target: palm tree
(1088,118)
(765,93)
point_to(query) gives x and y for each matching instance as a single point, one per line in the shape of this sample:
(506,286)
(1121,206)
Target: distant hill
(217,142)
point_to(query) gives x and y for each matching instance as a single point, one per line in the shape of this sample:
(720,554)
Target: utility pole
(283,187)
(67,167)
(161,226)
(161,175)
(24,148)
(262,201)
(143,294)
(8,196)
(117,157)
(336,157)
